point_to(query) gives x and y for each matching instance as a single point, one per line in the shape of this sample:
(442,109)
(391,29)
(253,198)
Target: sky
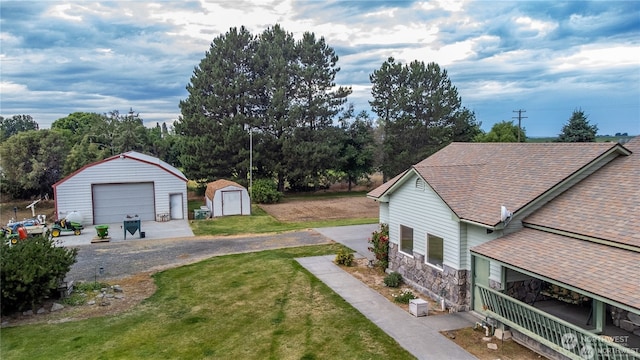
(547,58)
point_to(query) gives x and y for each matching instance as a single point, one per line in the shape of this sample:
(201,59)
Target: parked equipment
(65,226)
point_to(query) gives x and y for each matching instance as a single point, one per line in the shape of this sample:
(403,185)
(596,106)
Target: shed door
(112,202)
(232,202)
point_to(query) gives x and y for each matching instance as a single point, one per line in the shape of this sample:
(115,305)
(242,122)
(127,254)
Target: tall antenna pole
(520,117)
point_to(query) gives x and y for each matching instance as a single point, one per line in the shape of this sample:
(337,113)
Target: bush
(404,297)
(30,271)
(380,246)
(393,279)
(344,257)
(265,191)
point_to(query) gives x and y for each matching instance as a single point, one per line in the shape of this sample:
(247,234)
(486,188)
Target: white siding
(74,193)
(424,211)
(216,205)
(476,235)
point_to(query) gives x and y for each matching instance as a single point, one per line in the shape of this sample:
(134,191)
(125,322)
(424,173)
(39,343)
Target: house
(224,197)
(126,184)
(528,236)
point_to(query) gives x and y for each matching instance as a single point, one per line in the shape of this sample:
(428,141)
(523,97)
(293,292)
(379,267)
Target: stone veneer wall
(527,291)
(625,320)
(451,284)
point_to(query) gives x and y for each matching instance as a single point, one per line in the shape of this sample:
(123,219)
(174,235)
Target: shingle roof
(605,205)
(213,186)
(600,269)
(380,190)
(475,179)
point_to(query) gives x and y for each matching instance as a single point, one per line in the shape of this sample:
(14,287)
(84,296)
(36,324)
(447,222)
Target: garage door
(112,202)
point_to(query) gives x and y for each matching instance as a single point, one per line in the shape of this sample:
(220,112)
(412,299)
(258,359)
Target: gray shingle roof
(475,179)
(605,205)
(603,270)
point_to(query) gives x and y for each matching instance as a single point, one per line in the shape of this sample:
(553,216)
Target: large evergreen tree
(211,132)
(578,129)
(357,154)
(280,89)
(419,111)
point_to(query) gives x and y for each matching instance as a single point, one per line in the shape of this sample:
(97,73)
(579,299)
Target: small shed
(224,197)
(131,183)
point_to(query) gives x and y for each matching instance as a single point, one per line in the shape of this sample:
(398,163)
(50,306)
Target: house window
(435,251)
(406,239)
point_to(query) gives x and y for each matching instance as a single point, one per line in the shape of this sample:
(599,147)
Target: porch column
(598,312)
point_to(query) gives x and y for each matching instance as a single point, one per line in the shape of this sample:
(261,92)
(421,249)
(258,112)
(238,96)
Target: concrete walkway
(419,335)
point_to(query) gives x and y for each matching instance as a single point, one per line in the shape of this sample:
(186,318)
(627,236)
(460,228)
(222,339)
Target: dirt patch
(374,278)
(324,209)
(472,341)
(135,289)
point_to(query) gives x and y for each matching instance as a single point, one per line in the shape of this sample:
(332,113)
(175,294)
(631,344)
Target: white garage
(127,184)
(224,197)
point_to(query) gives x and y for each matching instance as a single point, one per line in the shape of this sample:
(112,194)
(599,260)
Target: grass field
(252,306)
(261,222)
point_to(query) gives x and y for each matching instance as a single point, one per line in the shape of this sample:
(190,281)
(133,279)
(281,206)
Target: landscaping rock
(27,313)
(41,311)
(117,288)
(492,346)
(56,307)
(486,338)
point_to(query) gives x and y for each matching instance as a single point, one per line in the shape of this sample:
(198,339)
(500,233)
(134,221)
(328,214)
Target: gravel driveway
(121,259)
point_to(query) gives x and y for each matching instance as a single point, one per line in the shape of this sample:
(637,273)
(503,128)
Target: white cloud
(599,56)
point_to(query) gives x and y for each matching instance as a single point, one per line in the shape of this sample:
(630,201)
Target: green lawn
(260,305)
(260,222)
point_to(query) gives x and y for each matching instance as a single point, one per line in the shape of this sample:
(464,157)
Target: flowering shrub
(380,246)
(404,297)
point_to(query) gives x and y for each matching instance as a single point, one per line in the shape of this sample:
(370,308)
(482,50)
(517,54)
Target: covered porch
(560,335)
(579,298)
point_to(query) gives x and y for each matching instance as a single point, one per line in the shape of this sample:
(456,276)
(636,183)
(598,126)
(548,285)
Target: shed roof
(476,179)
(214,186)
(134,155)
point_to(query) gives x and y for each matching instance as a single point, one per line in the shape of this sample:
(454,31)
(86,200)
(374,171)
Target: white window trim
(426,255)
(400,242)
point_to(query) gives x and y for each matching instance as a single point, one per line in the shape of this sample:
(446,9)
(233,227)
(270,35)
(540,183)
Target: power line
(520,117)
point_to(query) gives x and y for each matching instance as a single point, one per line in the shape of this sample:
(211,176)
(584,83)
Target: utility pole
(520,117)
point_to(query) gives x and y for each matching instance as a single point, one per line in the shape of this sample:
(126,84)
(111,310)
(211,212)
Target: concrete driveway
(356,237)
(153,230)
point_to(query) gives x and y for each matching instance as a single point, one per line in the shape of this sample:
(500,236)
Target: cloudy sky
(548,58)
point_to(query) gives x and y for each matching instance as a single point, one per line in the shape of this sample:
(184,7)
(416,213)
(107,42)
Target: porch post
(598,309)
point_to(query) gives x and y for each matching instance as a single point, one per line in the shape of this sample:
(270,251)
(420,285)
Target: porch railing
(561,336)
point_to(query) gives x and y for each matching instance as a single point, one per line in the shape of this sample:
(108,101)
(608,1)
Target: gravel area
(121,259)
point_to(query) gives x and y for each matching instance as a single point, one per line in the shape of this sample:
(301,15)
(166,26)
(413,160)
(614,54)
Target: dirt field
(336,208)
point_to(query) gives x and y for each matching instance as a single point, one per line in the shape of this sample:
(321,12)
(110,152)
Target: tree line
(271,94)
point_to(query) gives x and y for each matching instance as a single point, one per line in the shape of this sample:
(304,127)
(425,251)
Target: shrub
(265,191)
(380,246)
(344,257)
(404,297)
(393,279)
(30,271)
